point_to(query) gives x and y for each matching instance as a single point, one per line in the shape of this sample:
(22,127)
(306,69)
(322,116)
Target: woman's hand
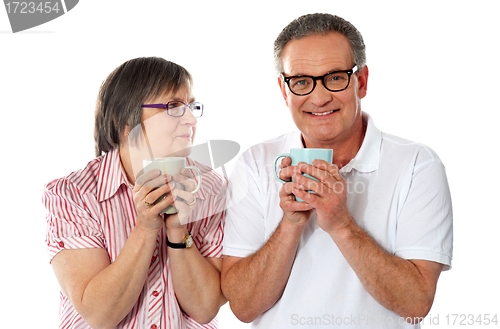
(184,200)
(148,188)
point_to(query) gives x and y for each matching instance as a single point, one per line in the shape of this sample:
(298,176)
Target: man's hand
(294,211)
(330,200)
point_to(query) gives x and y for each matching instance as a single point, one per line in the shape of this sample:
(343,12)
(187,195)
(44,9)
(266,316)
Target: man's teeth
(324,113)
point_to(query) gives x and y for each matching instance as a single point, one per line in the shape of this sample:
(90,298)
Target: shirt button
(61,244)
(154,326)
(156,293)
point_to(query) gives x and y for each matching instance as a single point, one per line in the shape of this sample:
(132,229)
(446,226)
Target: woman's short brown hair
(124,91)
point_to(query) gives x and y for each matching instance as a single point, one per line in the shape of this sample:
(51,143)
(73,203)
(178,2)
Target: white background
(433,79)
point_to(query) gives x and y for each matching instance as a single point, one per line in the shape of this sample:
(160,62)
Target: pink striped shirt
(93,208)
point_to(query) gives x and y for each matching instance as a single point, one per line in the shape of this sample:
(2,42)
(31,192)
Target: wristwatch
(187,243)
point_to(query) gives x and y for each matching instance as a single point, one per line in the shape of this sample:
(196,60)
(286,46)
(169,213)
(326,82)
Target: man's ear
(362,81)
(283,87)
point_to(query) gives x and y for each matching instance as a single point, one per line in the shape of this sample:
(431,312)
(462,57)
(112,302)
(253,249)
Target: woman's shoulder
(82,180)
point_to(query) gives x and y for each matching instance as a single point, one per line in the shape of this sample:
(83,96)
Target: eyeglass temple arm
(154,105)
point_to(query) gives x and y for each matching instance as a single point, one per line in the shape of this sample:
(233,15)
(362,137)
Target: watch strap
(188,241)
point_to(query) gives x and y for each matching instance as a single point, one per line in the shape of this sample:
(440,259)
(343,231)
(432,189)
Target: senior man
(367,248)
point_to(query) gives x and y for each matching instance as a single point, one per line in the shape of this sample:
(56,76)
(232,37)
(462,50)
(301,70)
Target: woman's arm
(196,279)
(103,293)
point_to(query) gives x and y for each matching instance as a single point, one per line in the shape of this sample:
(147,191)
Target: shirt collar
(367,158)
(111,175)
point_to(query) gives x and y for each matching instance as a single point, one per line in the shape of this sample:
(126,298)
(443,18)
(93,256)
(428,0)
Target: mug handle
(274,168)
(199,175)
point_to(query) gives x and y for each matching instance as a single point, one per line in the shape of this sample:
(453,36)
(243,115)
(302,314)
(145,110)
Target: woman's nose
(188,118)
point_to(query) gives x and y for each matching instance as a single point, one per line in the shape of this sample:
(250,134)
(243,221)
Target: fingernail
(171,185)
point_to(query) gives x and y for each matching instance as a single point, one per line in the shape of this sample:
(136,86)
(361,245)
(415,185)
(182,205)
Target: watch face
(189,241)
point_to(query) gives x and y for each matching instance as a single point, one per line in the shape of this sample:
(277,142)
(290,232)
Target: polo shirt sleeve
(244,231)
(425,222)
(69,221)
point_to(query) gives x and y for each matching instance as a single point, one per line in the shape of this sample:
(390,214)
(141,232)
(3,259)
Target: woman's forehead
(183,94)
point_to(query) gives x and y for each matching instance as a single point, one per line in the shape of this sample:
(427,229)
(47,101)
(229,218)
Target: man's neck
(343,150)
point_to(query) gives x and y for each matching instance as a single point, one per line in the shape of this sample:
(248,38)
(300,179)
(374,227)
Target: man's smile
(322,113)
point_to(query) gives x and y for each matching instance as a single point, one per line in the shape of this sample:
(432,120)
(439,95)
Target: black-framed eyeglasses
(302,85)
(178,108)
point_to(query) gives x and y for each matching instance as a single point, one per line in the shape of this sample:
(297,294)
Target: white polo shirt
(397,191)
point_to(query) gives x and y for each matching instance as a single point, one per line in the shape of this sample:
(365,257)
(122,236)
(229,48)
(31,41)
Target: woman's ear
(125,135)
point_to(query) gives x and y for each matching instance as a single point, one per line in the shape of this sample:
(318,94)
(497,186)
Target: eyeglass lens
(177,109)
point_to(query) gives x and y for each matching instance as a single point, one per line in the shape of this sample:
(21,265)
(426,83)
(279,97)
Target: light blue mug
(304,155)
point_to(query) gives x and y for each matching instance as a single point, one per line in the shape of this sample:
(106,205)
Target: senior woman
(118,262)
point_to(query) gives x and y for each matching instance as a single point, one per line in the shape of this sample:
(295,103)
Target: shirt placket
(156,289)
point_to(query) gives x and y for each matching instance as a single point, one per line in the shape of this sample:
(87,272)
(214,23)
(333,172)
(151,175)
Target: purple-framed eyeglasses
(178,108)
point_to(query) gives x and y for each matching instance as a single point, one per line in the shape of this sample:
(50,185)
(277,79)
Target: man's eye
(301,83)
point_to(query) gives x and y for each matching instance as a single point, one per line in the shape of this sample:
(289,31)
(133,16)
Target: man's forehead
(317,53)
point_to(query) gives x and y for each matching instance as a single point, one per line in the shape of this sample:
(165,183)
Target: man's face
(323,117)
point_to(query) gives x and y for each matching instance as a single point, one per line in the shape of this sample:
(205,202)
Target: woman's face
(165,134)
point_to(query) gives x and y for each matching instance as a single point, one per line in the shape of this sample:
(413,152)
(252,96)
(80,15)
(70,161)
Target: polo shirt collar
(368,156)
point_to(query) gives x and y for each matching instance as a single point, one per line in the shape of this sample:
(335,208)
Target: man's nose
(320,96)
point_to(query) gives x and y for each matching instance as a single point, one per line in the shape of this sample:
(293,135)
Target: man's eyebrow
(336,69)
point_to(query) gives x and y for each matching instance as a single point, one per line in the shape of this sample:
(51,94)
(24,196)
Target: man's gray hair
(322,24)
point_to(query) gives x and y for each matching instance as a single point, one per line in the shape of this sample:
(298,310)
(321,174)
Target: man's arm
(406,287)
(254,284)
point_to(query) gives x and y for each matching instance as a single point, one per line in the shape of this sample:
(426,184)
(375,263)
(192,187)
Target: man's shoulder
(398,147)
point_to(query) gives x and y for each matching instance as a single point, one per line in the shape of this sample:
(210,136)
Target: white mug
(171,166)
